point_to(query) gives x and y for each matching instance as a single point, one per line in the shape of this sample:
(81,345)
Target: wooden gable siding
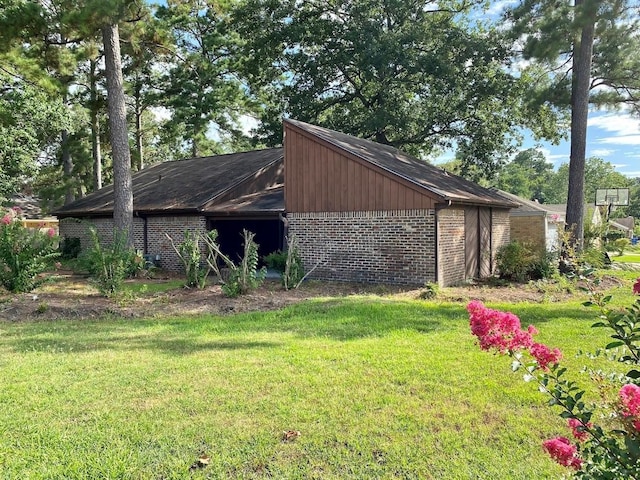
(265,178)
(319,178)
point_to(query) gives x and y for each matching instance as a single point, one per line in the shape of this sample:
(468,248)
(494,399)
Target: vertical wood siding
(322,179)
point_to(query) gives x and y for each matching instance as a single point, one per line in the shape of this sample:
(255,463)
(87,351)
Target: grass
(627,258)
(378,388)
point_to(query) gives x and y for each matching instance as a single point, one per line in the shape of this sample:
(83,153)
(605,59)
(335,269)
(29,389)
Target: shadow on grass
(342,319)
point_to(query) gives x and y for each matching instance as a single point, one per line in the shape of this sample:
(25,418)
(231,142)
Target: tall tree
(202,89)
(122,187)
(414,74)
(580,42)
(527,175)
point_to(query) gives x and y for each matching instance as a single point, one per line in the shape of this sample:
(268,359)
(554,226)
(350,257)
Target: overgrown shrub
(24,253)
(245,276)
(70,247)
(594,257)
(288,263)
(620,245)
(109,266)
(520,262)
(276,260)
(190,254)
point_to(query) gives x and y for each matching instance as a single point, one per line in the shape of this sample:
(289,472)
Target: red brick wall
(396,247)
(157,242)
(451,245)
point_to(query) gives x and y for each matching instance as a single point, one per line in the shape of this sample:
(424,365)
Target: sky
(612,136)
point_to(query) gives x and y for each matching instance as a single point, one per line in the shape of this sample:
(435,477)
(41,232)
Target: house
(624,226)
(226,192)
(534,223)
(367,212)
(360,211)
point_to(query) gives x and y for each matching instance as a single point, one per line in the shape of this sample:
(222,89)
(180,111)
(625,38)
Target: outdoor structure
(360,211)
(226,192)
(623,225)
(534,223)
(366,212)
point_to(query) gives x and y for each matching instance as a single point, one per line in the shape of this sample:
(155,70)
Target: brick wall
(529,229)
(451,247)
(395,247)
(157,242)
(501,232)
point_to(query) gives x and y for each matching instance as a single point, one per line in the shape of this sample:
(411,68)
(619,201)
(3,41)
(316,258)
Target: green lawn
(628,257)
(378,388)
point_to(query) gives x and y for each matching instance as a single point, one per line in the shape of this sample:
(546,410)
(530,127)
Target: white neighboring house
(623,225)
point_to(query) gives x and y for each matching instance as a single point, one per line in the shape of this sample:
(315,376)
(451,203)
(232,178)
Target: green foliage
(191,256)
(24,253)
(594,257)
(520,262)
(399,73)
(293,273)
(429,291)
(29,123)
(276,260)
(110,265)
(620,245)
(528,175)
(245,276)
(70,247)
(606,433)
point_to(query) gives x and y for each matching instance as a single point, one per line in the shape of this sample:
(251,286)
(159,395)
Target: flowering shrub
(24,253)
(609,449)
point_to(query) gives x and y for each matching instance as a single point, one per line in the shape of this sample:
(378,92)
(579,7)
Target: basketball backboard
(612,196)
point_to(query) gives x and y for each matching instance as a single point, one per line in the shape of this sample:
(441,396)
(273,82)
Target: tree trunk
(95,129)
(139,151)
(123,192)
(67,168)
(582,54)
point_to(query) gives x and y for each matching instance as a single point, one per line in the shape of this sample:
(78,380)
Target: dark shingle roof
(181,186)
(525,207)
(270,200)
(444,185)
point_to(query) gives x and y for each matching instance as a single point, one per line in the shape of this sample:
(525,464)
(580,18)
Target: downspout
(435,240)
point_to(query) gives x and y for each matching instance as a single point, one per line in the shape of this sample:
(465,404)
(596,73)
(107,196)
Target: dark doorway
(269,235)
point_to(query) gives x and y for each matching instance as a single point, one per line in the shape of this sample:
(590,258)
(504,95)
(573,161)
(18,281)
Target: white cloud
(497,8)
(621,125)
(601,152)
(621,140)
(161,113)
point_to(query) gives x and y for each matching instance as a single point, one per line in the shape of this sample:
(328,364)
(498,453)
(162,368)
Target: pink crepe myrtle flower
(544,355)
(636,287)
(51,233)
(578,429)
(563,452)
(6,220)
(630,397)
(498,330)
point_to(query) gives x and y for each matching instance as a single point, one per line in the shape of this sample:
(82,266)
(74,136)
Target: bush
(24,253)
(620,244)
(70,248)
(245,276)
(519,262)
(191,256)
(109,266)
(276,260)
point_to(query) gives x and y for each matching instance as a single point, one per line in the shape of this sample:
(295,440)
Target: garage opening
(269,235)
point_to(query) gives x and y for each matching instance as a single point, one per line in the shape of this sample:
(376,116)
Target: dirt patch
(71,296)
